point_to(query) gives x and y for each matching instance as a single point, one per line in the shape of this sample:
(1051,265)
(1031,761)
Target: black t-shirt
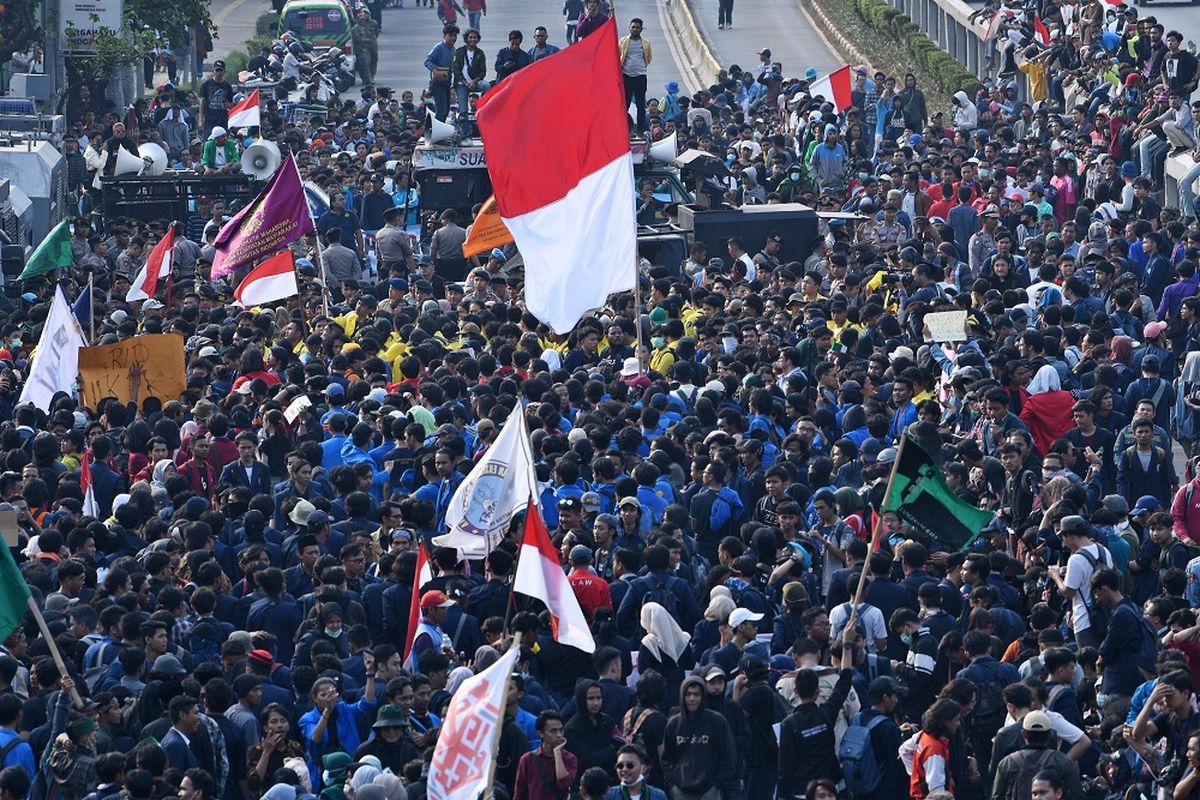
(1180,69)
(217,95)
(1177,733)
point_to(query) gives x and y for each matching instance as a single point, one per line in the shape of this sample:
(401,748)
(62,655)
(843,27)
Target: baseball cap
(1146,502)
(629,501)
(590,500)
(741,615)
(713,671)
(1074,525)
(435,599)
(571,502)
(581,554)
(1036,721)
(754,667)
(887,455)
(335,390)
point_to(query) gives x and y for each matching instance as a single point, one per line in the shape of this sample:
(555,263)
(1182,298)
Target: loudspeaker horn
(438,131)
(154,158)
(128,163)
(261,159)
(664,150)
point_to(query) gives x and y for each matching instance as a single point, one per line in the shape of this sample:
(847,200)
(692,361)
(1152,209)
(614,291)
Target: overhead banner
(104,371)
(81,21)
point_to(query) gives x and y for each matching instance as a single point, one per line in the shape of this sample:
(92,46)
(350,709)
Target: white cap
(207,352)
(741,615)
(903,351)
(152,305)
(631,367)
(217,132)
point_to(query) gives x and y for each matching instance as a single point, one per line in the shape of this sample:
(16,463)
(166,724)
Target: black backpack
(989,712)
(661,593)
(1027,768)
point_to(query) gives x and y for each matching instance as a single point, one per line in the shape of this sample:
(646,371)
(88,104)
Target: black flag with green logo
(923,499)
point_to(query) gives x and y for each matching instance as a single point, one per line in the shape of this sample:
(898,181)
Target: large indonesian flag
(90,507)
(158,265)
(245,114)
(834,87)
(556,138)
(422,576)
(461,767)
(273,279)
(540,575)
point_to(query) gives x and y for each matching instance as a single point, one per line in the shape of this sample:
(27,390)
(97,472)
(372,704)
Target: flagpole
(313,220)
(875,534)
(92,304)
(491,776)
(50,643)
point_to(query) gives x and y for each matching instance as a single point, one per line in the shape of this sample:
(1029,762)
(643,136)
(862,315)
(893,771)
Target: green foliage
(18,27)
(942,68)
(146,24)
(266,24)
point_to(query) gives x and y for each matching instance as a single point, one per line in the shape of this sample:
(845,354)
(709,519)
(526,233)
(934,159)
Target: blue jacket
(20,755)
(347,731)
(629,613)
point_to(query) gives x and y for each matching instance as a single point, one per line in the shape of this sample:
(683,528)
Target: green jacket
(1004,785)
(208,157)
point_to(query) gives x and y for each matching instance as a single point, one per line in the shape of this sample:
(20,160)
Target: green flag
(13,593)
(52,253)
(923,499)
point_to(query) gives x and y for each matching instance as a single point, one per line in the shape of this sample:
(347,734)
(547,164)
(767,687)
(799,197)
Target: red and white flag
(273,279)
(461,767)
(158,265)
(834,87)
(540,575)
(245,114)
(423,575)
(1040,32)
(564,186)
(90,507)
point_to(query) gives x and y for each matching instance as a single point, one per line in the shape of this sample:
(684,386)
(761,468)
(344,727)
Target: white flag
(462,760)
(56,360)
(500,484)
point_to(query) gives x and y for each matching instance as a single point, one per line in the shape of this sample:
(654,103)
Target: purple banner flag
(275,219)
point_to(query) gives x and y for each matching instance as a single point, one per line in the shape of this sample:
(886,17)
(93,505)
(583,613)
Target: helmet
(296,48)
(274,60)
(287,36)
(278,50)
(333,51)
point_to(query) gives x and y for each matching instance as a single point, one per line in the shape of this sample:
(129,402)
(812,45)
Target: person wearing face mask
(631,777)
(790,188)
(916,671)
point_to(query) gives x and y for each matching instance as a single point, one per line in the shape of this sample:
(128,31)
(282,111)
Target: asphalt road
(409,33)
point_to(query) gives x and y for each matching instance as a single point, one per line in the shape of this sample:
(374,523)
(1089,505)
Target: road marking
(220,18)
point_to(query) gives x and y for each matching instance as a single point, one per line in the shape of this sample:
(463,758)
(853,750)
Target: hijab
(457,676)
(1122,349)
(159,478)
(663,634)
(1046,380)
(720,606)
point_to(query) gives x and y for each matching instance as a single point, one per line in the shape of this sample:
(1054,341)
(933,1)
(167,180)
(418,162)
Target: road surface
(409,33)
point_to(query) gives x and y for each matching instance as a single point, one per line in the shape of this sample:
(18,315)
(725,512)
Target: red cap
(435,599)
(262,657)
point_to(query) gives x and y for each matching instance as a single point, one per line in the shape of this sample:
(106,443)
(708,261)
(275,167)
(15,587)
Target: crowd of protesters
(711,465)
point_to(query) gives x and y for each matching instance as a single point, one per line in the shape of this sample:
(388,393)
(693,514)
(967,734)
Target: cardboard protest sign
(104,371)
(947,326)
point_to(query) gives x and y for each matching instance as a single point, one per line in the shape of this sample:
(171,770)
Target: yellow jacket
(623,45)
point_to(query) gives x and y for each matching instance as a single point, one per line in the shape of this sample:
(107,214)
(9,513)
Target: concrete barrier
(700,59)
(1174,170)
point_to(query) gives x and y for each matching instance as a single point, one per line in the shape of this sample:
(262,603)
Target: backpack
(989,703)
(861,770)
(1093,562)
(1148,646)
(661,593)
(631,728)
(94,675)
(1027,768)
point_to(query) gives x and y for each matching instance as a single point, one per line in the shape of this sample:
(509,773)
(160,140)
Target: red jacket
(1048,417)
(1186,515)
(591,590)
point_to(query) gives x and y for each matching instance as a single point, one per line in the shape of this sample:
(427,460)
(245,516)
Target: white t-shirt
(871,618)
(1079,578)
(1065,731)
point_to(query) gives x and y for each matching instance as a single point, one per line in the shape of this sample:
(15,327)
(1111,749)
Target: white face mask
(730,343)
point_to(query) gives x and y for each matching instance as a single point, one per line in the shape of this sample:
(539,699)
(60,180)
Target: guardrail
(693,47)
(947,23)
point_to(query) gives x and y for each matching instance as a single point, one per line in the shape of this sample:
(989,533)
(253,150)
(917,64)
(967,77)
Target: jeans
(462,92)
(473,18)
(724,13)
(1151,152)
(1187,191)
(760,783)
(635,90)
(441,98)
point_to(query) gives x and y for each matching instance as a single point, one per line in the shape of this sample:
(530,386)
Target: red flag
(575,225)
(90,507)
(834,87)
(245,114)
(422,576)
(1040,31)
(273,279)
(540,575)
(158,265)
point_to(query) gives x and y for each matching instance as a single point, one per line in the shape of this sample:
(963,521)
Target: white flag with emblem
(499,485)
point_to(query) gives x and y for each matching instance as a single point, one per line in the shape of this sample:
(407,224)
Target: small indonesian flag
(1040,32)
(158,265)
(574,224)
(540,575)
(423,575)
(245,114)
(273,279)
(90,507)
(834,87)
